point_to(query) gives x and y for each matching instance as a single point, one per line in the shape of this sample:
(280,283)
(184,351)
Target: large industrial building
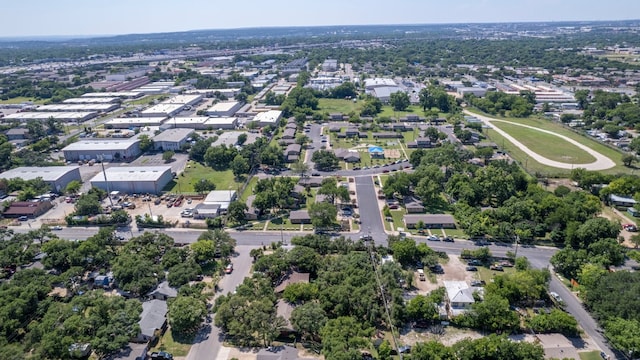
(59,116)
(171,139)
(79,107)
(187,100)
(107,150)
(135,122)
(122,94)
(270,117)
(201,123)
(56,176)
(224,123)
(93,100)
(133,180)
(163,110)
(225,108)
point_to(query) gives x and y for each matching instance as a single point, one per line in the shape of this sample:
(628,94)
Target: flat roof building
(135,122)
(78,107)
(107,150)
(270,117)
(76,116)
(172,139)
(224,108)
(162,109)
(187,100)
(134,180)
(93,100)
(56,176)
(220,197)
(122,95)
(225,123)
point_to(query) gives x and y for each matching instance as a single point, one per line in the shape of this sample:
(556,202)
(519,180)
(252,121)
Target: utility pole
(104,173)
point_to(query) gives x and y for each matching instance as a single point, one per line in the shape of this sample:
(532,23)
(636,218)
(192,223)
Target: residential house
(251,213)
(163,292)
(347,155)
(292,152)
(420,143)
(430,221)
(289,134)
(153,321)
(314,181)
(336,117)
(414,206)
(352,131)
(30,209)
(459,297)
(17,133)
(284,309)
(300,217)
(293,277)
(622,201)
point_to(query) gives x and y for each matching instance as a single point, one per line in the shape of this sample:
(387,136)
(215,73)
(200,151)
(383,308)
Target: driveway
(602,162)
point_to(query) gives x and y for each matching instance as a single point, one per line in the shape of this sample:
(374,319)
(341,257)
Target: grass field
(547,145)
(339,106)
(145,100)
(388,111)
(533,166)
(248,191)
(590,355)
(224,180)
(21,99)
(176,347)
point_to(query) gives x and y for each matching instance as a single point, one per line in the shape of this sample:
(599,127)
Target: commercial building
(270,117)
(76,116)
(163,110)
(93,100)
(107,150)
(187,100)
(30,209)
(171,139)
(78,107)
(475,91)
(225,108)
(224,123)
(133,180)
(131,74)
(229,93)
(135,122)
(330,65)
(122,95)
(56,176)
(221,198)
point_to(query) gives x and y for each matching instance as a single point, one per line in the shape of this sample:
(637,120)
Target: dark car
(447,239)
(471,268)
(161,355)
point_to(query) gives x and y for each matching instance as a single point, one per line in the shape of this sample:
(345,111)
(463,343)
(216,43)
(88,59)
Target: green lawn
(248,191)
(485,274)
(284,224)
(194,172)
(145,100)
(547,145)
(533,166)
(22,99)
(176,347)
(590,355)
(388,111)
(339,106)
(397,218)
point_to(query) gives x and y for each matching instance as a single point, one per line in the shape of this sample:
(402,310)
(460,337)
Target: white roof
(376,82)
(175,134)
(92,100)
(45,115)
(222,121)
(183,99)
(47,173)
(458,292)
(219,197)
(137,120)
(223,106)
(132,173)
(270,116)
(112,144)
(112,94)
(163,109)
(75,107)
(187,120)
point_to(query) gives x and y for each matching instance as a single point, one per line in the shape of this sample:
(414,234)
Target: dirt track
(602,162)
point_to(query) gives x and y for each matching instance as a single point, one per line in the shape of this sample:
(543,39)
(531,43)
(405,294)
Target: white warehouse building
(225,108)
(172,139)
(133,180)
(107,150)
(56,176)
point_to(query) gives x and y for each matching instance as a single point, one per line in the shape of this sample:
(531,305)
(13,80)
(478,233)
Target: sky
(105,17)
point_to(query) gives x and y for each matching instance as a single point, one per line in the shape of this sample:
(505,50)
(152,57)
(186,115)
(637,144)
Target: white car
(57,227)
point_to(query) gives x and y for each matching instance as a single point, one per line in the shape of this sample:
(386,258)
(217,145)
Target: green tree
(325,160)
(224,243)
(203,250)
(308,319)
(237,212)
(167,156)
(399,101)
(73,187)
(323,215)
(146,143)
(242,138)
(204,185)
(239,166)
(186,314)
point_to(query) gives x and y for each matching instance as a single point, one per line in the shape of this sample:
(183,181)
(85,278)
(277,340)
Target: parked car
(630,227)
(496,267)
(433,238)
(478,283)
(57,227)
(448,239)
(471,268)
(162,355)
(23,218)
(228,269)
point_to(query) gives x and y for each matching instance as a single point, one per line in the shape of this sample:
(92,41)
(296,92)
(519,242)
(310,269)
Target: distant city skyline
(37,18)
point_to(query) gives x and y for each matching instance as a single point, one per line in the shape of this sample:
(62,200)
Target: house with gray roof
(153,320)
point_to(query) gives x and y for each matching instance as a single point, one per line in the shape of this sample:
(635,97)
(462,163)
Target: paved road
(602,162)
(209,341)
(370,217)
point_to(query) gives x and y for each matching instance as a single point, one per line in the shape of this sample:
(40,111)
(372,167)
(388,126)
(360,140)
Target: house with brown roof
(430,221)
(30,209)
(293,277)
(300,217)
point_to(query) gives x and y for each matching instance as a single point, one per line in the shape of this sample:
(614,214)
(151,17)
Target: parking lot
(153,208)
